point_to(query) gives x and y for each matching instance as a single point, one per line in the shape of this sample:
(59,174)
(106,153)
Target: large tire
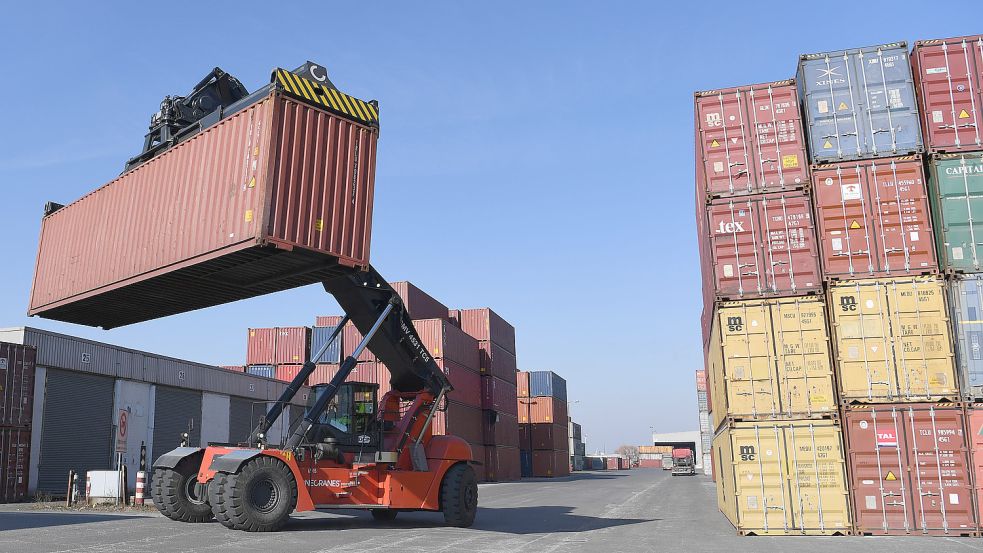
(459,496)
(384,515)
(216,498)
(259,498)
(177,494)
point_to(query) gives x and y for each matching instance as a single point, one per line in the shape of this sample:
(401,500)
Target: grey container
(269,371)
(547,384)
(859,103)
(966,303)
(320,335)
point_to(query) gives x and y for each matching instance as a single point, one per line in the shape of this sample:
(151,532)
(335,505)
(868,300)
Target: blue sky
(535,157)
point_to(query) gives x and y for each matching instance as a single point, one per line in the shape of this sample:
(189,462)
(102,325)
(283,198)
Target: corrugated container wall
(956,184)
(547,384)
(319,336)
(444,340)
(268,371)
(750,140)
(484,324)
(542,409)
(974,429)
(293,345)
(874,218)
(966,304)
(192,227)
(522,384)
(261,346)
(892,340)
(497,361)
(15,457)
(762,245)
(910,470)
(419,304)
(17,370)
(949,78)
(860,103)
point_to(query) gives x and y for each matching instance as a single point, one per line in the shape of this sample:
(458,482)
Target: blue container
(320,335)
(547,384)
(525,463)
(966,303)
(859,103)
(269,371)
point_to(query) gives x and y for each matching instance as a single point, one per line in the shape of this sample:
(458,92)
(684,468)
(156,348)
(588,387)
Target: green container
(956,184)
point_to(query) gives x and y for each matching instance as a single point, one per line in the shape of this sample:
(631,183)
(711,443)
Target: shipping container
(350,339)
(550,464)
(320,336)
(974,429)
(328,320)
(654,450)
(501,429)
(966,299)
(547,384)
(292,345)
(233,368)
(525,463)
(576,431)
(498,395)
(286,373)
(949,80)
(444,340)
(750,140)
(576,463)
(502,464)
(261,346)
(859,103)
(466,382)
(763,245)
(419,304)
(268,371)
(956,193)
(459,420)
(701,381)
(478,455)
(217,218)
(522,384)
(17,371)
(780,478)
(892,340)
(770,359)
(910,470)
(874,218)
(549,436)
(542,409)
(496,360)
(483,324)
(612,463)
(15,462)
(650,463)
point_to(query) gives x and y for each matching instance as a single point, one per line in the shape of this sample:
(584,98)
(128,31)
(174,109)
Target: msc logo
(848,303)
(730,228)
(735,324)
(714,120)
(747,453)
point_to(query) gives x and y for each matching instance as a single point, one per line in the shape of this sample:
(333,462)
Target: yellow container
(782,477)
(770,359)
(892,340)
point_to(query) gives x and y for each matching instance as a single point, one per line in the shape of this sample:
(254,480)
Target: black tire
(459,496)
(259,498)
(384,515)
(216,498)
(177,494)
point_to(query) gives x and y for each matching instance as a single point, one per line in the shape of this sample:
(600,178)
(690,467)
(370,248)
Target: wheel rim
(196,492)
(264,495)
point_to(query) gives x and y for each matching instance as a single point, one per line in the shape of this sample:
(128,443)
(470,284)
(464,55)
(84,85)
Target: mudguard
(171,459)
(231,461)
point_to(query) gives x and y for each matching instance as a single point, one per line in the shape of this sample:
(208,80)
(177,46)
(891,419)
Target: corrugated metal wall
(241,418)
(174,411)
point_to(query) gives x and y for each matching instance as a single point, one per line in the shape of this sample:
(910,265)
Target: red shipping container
(762,245)
(454,316)
(502,464)
(223,216)
(486,325)
(234,368)
(444,340)
(328,320)
(496,361)
(498,395)
(501,429)
(874,218)
(15,460)
(261,346)
(750,140)
(611,463)
(525,435)
(350,339)
(419,304)
(522,384)
(909,469)
(542,409)
(293,345)
(478,455)
(286,373)
(550,464)
(949,80)
(466,383)
(459,420)
(549,436)
(701,380)
(17,370)
(974,420)
(649,464)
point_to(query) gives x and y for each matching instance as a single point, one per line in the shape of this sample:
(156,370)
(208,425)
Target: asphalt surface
(629,511)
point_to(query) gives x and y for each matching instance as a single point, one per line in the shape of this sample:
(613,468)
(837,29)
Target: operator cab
(349,422)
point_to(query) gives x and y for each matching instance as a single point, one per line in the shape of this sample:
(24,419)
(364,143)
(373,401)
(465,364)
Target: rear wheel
(259,498)
(384,515)
(177,493)
(459,496)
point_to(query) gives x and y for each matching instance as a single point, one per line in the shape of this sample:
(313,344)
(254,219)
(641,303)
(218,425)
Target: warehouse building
(682,440)
(82,386)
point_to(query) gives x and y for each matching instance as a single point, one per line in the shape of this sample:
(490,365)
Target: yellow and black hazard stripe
(313,92)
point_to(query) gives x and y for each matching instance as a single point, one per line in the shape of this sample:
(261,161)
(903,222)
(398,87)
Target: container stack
(543,423)
(577,448)
(706,432)
(277,352)
(17,369)
(650,456)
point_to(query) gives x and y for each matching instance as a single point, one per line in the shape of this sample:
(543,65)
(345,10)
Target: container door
(957,183)
(863,341)
(761,489)
(831,108)
(843,207)
(921,338)
(879,468)
(736,247)
(77,429)
(817,478)
(789,238)
(175,411)
(886,89)
(967,318)
(749,360)
(901,214)
(779,145)
(950,93)
(805,374)
(726,144)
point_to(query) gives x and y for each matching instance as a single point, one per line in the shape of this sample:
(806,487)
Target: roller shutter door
(174,410)
(243,417)
(77,430)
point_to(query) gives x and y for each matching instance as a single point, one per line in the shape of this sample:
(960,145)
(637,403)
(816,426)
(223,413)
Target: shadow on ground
(513,520)
(18,521)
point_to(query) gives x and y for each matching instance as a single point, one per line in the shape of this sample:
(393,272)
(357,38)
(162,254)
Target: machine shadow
(22,520)
(546,519)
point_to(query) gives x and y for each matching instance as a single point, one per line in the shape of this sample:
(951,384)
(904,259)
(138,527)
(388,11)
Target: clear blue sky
(535,157)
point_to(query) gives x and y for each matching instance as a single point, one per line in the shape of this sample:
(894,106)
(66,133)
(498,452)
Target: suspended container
(956,190)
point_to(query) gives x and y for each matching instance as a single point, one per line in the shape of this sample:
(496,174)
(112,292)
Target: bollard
(141,481)
(88,487)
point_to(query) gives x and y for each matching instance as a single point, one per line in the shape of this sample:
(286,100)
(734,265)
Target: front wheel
(259,498)
(459,496)
(177,493)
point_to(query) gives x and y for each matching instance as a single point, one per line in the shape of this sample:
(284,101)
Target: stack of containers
(898,388)
(17,368)
(542,406)
(771,392)
(277,352)
(706,433)
(650,456)
(576,447)
(500,425)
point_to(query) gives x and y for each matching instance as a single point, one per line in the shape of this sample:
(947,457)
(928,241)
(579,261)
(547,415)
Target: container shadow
(22,520)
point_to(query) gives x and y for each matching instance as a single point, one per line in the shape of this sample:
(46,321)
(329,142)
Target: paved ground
(635,511)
